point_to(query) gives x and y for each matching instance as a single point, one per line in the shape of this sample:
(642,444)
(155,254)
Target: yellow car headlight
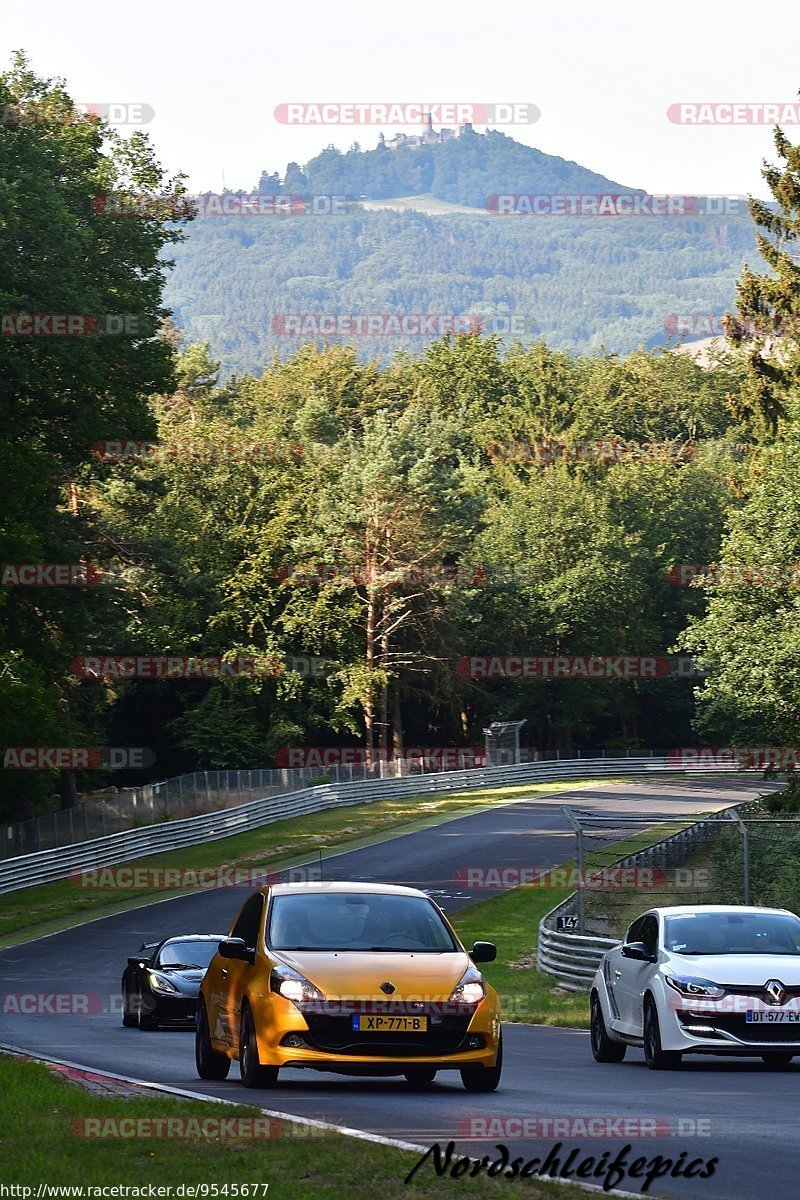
(294,986)
(470,989)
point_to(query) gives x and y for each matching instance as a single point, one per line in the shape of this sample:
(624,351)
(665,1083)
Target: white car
(708,979)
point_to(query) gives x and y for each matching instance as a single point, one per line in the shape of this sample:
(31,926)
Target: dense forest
(579,283)
(383,521)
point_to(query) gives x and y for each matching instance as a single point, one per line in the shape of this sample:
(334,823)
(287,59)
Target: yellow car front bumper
(289,1037)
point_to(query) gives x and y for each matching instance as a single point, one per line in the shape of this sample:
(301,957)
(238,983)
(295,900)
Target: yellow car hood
(358,975)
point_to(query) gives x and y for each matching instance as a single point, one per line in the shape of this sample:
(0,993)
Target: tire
(484,1079)
(129,1019)
(604,1049)
(252,1073)
(142,1021)
(656,1058)
(210,1065)
(420,1076)
(777,1058)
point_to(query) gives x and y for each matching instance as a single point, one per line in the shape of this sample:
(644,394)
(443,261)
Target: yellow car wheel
(210,1065)
(420,1075)
(252,1073)
(484,1079)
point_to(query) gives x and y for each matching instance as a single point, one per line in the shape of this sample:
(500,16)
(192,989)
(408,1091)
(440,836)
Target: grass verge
(50,907)
(40,1143)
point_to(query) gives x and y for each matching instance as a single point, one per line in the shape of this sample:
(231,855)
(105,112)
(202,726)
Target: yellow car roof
(322,888)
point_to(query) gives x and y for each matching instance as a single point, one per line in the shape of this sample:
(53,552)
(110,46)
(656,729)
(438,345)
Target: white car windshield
(732,933)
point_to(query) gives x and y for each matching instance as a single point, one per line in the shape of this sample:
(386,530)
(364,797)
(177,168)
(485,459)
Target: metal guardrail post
(734,816)
(579,837)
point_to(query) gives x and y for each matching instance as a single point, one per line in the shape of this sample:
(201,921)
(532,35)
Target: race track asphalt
(737,1110)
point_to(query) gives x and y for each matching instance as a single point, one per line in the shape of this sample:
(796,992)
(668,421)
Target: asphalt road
(738,1110)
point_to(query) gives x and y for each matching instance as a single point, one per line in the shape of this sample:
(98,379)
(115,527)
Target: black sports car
(161,983)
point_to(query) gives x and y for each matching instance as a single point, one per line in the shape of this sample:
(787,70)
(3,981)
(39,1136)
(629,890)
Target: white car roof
(701,909)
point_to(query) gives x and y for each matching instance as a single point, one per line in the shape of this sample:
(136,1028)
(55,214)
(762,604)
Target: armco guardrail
(110,810)
(48,865)
(574,957)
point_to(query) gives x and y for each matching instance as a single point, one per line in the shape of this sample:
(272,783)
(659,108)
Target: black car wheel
(252,1073)
(484,1079)
(142,1020)
(128,1008)
(656,1058)
(210,1065)
(604,1049)
(777,1058)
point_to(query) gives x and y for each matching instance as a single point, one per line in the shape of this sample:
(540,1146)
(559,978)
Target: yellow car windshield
(358,921)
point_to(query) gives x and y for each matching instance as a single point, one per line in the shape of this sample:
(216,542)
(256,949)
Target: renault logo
(387,988)
(775,990)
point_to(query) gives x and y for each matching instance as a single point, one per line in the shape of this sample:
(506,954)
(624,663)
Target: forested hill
(579,282)
(463,170)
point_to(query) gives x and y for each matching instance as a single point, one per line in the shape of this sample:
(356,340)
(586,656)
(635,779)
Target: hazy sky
(603,76)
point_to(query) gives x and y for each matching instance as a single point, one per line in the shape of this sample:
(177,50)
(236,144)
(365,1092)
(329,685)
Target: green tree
(62,251)
(767,322)
(395,499)
(751,631)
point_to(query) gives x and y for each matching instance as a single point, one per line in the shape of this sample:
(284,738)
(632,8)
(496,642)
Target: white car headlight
(693,988)
(294,986)
(470,989)
(160,983)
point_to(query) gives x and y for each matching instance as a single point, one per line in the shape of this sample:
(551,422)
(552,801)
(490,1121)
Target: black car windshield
(187,954)
(358,921)
(732,933)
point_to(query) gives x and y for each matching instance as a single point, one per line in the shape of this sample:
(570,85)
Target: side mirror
(638,951)
(483,952)
(138,961)
(236,948)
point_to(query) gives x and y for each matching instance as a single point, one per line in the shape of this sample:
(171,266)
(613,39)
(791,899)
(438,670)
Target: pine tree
(768,321)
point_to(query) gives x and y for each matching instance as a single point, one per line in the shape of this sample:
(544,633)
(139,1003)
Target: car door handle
(617,974)
(224,972)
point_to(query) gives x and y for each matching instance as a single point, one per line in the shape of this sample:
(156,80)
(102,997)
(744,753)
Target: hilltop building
(429,136)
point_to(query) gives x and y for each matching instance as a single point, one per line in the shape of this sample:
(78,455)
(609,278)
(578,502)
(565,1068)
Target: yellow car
(356,978)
